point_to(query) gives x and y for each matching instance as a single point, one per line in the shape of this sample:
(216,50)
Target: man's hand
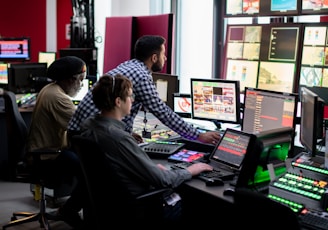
(138,138)
(210,137)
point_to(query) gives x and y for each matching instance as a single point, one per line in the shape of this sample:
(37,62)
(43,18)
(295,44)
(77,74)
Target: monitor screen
(242,7)
(15,49)
(314,7)
(279,7)
(87,84)
(27,77)
(182,104)
(216,100)
(47,57)
(266,110)
(3,74)
(311,127)
(166,85)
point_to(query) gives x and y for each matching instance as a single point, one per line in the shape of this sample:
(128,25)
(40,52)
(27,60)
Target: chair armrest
(154,194)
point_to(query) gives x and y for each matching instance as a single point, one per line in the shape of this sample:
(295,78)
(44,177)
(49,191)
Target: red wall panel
(118,41)
(64,14)
(23,18)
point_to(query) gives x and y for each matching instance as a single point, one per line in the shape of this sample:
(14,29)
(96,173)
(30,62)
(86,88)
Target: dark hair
(108,88)
(148,45)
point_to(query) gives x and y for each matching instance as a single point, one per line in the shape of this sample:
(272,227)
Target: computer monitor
(311,127)
(166,85)
(3,74)
(182,104)
(216,100)
(87,84)
(266,110)
(47,57)
(272,147)
(27,77)
(15,49)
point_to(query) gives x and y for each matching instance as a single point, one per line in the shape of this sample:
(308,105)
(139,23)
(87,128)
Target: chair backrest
(255,210)
(16,132)
(107,198)
(105,194)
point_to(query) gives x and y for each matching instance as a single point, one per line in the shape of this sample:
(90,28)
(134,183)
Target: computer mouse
(214,182)
(229,191)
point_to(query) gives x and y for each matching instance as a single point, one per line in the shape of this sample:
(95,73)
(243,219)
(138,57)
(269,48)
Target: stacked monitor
(311,127)
(216,100)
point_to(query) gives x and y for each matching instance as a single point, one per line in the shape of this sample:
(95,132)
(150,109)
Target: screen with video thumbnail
(314,7)
(182,104)
(242,7)
(279,7)
(216,100)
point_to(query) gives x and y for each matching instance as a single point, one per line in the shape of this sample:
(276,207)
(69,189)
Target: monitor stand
(218,125)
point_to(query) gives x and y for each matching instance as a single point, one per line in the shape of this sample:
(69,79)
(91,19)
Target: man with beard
(149,57)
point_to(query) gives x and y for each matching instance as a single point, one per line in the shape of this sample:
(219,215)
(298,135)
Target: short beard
(156,67)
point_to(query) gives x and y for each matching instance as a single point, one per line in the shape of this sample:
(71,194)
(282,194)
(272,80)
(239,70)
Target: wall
(19,18)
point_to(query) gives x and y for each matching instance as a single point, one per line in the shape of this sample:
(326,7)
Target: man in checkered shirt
(149,57)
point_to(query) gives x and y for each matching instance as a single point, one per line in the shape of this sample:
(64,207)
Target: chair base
(26,217)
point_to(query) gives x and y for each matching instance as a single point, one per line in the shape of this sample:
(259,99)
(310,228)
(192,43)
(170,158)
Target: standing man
(149,57)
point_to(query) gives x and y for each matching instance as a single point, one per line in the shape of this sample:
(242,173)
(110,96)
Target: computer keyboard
(215,173)
(162,149)
(314,220)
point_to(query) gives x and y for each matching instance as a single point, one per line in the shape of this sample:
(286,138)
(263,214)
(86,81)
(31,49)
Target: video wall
(239,8)
(278,57)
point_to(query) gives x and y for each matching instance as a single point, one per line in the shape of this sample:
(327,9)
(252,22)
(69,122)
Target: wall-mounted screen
(279,7)
(15,49)
(314,7)
(242,7)
(244,71)
(216,100)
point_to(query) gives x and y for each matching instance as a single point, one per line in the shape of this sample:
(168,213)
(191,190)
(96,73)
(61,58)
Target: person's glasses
(132,96)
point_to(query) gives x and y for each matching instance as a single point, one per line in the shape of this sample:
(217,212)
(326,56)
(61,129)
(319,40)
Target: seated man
(135,171)
(52,111)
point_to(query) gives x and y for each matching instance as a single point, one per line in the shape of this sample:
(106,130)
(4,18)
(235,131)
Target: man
(149,57)
(133,169)
(52,111)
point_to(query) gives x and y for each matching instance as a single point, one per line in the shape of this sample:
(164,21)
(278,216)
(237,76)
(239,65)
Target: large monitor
(216,100)
(15,49)
(266,110)
(166,85)
(311,127)
(27,77)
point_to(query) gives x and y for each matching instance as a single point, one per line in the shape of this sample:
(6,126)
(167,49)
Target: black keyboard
(215,173)
(314,220)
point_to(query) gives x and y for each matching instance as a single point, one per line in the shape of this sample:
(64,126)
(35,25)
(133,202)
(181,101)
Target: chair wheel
(13,218)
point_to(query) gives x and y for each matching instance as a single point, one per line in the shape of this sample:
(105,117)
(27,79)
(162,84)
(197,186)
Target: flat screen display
(15,49)
(215,100)
(47,57)
(3,73)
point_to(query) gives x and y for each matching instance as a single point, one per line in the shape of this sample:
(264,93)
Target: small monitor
(266,110)
(311,127)
(216,100)
(182,104)
(15,49)
(87,84)
(27,77)
(3,74)
(166,85)
(47,57)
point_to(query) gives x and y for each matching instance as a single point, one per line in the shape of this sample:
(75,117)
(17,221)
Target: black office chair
(108,201)
(20,171)
(254,210)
